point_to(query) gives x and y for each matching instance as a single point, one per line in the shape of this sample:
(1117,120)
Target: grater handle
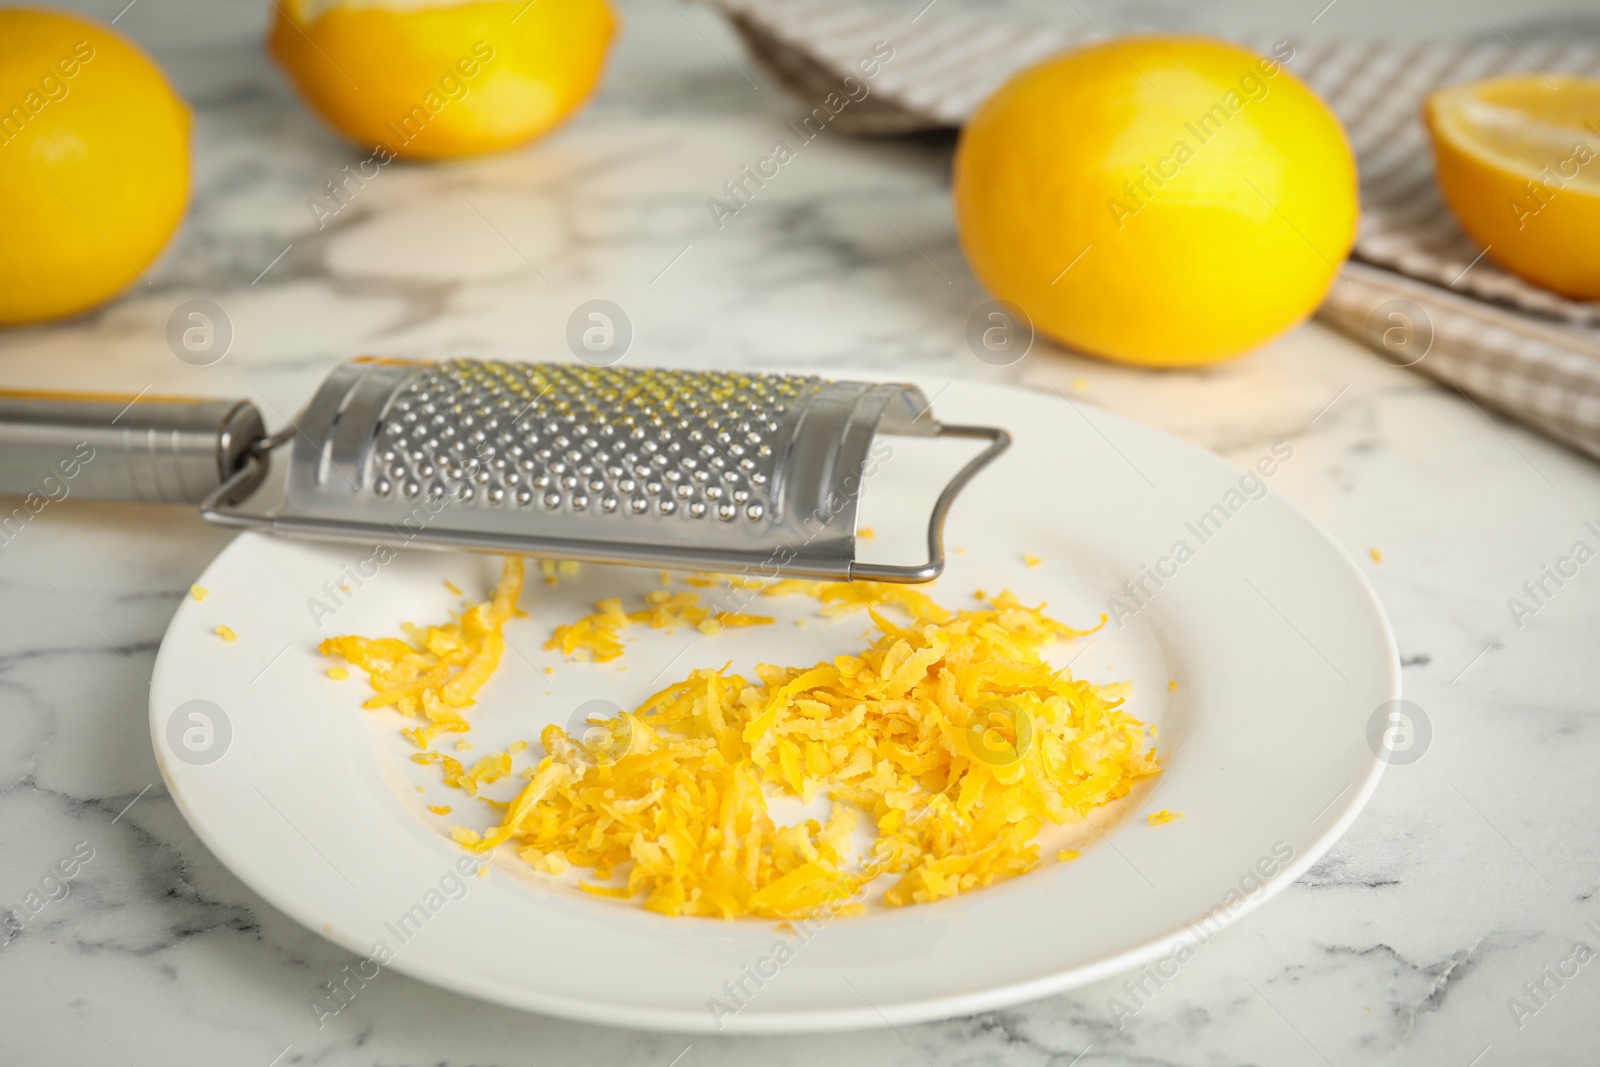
(110,446)
(999,440)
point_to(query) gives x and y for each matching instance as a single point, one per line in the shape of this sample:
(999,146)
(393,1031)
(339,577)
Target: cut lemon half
(1518,161)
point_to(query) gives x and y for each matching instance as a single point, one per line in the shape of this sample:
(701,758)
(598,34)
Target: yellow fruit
(450,79)
(94,164)
(1167,201)
(1516,160)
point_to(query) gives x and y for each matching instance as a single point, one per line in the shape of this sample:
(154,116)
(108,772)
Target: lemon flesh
(1518,163)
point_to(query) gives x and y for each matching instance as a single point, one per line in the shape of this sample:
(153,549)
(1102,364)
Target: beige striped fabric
(1540,371)
(944,66)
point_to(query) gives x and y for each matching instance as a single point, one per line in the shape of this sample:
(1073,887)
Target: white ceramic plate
(1279,650)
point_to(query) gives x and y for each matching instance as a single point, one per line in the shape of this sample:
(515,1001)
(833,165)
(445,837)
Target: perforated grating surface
(575,439)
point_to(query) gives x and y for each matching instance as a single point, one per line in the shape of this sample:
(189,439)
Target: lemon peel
(682,815)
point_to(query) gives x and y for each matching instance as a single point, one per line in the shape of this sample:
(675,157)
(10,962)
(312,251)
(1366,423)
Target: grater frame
(703,470)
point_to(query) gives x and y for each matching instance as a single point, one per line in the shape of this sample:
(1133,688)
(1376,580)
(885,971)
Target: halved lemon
(1518,160)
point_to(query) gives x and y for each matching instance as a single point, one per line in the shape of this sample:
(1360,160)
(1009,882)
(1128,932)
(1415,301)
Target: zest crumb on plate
(1377,556)
(595,636)
(1029,559)
(198,591)
(440,809)
(338,674)
(556,569)
(1162,817)
(226,633)
(866,533)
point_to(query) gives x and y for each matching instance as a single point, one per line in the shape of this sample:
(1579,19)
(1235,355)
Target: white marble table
(1471,872)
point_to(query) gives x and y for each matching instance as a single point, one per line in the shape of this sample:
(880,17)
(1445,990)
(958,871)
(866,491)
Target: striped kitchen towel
(1511,344)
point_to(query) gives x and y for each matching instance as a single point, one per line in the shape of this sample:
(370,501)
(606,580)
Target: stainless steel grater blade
(710,470)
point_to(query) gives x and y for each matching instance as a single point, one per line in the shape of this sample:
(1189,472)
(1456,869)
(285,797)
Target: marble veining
(1459,894)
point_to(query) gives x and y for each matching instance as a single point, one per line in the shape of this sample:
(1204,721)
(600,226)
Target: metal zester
(714,470)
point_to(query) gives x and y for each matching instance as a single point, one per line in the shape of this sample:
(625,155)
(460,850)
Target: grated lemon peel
(682,814)
(438,675)
(950,735)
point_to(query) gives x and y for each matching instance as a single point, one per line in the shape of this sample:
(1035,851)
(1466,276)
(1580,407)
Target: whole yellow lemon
(1518,160)
(428,81)
(94,163)
(1167,201)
